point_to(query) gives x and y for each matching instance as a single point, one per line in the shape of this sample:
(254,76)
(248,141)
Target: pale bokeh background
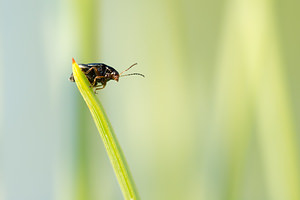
(217,116)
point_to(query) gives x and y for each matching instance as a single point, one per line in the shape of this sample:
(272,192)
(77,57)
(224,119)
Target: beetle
(99,74)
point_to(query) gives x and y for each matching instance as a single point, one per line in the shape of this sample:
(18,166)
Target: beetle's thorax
(111,74)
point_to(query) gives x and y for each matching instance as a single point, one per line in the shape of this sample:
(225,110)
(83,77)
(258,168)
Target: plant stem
(107,134)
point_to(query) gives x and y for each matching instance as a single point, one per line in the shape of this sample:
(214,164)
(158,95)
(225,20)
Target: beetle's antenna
(133,74)
(128,68)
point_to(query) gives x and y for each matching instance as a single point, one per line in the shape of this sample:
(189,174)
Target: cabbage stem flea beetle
(99,74)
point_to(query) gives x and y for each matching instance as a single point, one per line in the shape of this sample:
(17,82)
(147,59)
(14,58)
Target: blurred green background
(217,116)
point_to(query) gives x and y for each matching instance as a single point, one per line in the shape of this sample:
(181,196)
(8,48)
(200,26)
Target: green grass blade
(106,132)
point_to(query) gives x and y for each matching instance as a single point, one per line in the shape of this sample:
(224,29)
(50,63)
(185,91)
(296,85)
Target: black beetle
(100,73)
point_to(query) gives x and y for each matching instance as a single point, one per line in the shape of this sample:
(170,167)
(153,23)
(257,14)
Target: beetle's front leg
(99,88)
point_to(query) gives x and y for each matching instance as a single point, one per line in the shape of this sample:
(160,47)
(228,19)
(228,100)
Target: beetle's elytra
(99,74)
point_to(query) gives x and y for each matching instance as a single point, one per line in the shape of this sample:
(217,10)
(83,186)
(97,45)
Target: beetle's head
(115,75)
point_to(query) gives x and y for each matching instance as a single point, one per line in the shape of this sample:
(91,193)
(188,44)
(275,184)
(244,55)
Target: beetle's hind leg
(92,68)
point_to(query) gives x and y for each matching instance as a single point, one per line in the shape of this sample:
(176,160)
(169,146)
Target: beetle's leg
(99,88)
(95,80)
(94,88)
(92,68)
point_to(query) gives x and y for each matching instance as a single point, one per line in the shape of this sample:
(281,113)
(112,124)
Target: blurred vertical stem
(106,132)
(251,71)
(87,30)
